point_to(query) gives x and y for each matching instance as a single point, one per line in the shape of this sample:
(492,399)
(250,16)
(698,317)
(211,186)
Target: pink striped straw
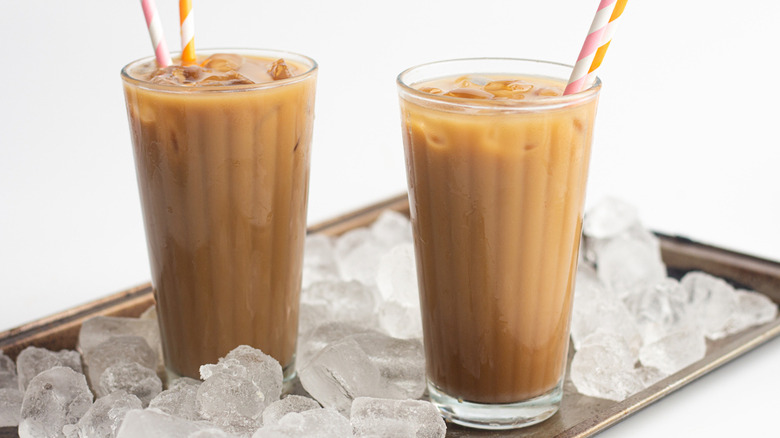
(156,33)
(595,46)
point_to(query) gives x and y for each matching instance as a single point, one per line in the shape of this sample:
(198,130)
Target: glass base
(497,416)
(289,374)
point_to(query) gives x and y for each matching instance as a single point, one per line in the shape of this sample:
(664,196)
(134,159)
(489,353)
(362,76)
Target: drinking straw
(187,20)
(156,33)
(596,43)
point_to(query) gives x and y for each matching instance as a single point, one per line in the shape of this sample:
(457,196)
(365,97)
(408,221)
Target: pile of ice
(632,325)
(360,325)
(239,396)
(51,394)
(367,276)
(360,355)
(360,361)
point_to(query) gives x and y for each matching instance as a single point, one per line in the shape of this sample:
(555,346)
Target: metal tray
(579,416)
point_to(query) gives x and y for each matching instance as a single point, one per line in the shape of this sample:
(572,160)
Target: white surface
(686,131)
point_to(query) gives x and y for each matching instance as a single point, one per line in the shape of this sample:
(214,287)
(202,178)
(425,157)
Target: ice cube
(231,402)
(753,308)
(432,90)
(33,361)
(8,377)
(397,276)
(587,283)
(10,406)
(207,79)
(116,350)
(392,428)
(659,309)
(400,321)
(195,75)
(319,262)
(610,217)
(471,81)
(625,264)
(392,228)
(224,62)
(150,423)
(711,300)
(314,423)
(649,375)
(549,91)
(177,75)
(104,417)
(508,85)
(292,403)
(469,93)
(309,318)
(401,363)
(99,329)
(279,70)
(615,345)
(374,416)
(674,351)
(358,253)
(179,400)
(507,92)
(54,398)
(339,373)
(399,309)
(132,377)
(315,340)
(604,368)
(7,365)
(592,247)
(345,301)
(596,309)
(245,362)
(213,433)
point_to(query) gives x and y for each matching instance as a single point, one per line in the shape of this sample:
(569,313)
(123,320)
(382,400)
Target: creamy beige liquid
(496,204)
(223,180)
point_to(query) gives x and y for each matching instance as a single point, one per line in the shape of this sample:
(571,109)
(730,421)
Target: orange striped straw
(187,20)
(596,44)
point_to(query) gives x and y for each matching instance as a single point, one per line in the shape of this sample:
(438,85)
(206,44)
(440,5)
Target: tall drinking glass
(223,172)
(497,163)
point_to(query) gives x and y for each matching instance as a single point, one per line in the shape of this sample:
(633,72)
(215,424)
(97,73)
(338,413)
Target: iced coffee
(497,163)
(222,153)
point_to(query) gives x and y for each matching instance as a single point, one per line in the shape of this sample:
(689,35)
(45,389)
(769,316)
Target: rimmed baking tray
(579,416)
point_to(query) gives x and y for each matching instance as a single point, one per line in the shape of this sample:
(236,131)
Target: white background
(687,131)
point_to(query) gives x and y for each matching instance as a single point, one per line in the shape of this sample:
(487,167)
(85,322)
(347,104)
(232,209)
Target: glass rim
(293,56)
(552,102)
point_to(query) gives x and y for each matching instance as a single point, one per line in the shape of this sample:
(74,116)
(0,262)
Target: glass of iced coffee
(222,153)
(497,163)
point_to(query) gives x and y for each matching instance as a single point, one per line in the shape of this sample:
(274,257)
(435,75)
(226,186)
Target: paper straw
(156,33)
(187,20)
(596,44)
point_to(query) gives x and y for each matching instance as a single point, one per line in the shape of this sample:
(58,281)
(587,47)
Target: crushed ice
(360,358)
(632,325)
